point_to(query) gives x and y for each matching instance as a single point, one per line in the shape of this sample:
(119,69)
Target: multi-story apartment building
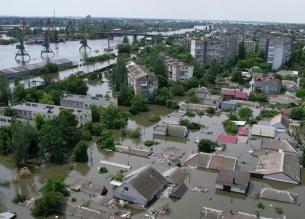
(250,46)
(84,102)
(143,81)
(28,111)
(205,50)
(277,50)
(178,70)
(268,85)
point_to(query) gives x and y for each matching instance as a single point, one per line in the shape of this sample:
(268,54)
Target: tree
(211,110)
(55,184)
(237,77)
(5,90)
(125,39)
(9,112)
(125,95)
(198,71)
(56,96)
(242,50)
(106,140)
(45,205)
(177,89)
(212,72)
(39,121)
(47,99)
(190,83)
(20,142)
(112,118)
(298,135)
(162,81)
(207,146)
(80,152)
(19,93)
(5,137)
(245,113)
(75,85)
(163,95)
(297,113)
(229,64)
(139,103)
(124,48)
(119,73)
(160,67)
(300,93)
(96,112)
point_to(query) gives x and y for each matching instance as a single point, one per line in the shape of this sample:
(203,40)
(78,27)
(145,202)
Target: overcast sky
(288,11)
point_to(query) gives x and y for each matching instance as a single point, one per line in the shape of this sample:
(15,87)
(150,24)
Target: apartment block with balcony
(277,50)
(250,46)
(28,111)
(143,81)
(84,102)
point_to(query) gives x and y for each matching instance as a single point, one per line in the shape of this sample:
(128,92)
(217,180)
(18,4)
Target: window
(126,189)
(214,102)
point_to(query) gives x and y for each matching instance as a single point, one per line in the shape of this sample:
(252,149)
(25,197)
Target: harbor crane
(21,50)
(84,40)
(46,44)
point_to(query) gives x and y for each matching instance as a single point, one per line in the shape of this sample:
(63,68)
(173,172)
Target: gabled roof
(146,181)
(179,190)
(211,161)
(176,175)
(227,139)
(286,111)
(234,93)
(280,119)
(272,144)
(290,84)
(232,178)
(212,97)
(278,195)
(262,130)
(202,90)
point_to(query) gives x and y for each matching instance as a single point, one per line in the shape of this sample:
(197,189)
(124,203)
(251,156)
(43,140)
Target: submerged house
(278,167)
(263,131)
(278,195)
(170,130)
(280,121)
(141,186)
(179,191)
(279,145)
(233,181)
(175,175)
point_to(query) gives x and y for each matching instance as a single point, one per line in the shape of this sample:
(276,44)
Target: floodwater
(191,203)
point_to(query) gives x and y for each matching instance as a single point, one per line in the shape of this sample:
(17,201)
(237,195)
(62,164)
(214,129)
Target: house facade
(29,110)
(229,105)
(141,186)
(213,100)
(268,85)
(84,102)
(233,181)
(143,81)
(202,92)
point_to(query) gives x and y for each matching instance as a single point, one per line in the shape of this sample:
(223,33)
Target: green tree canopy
(139,103)
(106,140)
(245,113)
(237,77)
(163,95)
(125,95)
(125,39)
(242,50)
(80,152)
(55,184)
(112,118)
(207,146)
(5,90)
(297,113)
(75,85)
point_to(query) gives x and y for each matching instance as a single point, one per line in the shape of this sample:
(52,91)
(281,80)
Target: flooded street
(192,202)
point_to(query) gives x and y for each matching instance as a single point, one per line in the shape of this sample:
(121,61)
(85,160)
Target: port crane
(84,40)
(21,50)
(46,44)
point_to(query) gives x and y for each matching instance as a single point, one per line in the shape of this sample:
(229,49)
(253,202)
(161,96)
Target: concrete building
(234,95)
(84,102)
(178,70)
(229,105)
(205,50)
(202,92)
(6,120)
(141,186)
(250,46)
(213,100)
(268,85)
(233,181)
(143,81)
(28,111)
(277,50)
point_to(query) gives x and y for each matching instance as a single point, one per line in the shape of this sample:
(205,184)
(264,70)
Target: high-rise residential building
(205,50)
(277,50)
(250,46)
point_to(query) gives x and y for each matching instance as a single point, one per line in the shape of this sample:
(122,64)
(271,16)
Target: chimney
(234,181)
(266,152)
(152,171)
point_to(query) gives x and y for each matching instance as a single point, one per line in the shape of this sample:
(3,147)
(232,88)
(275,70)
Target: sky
(285,11)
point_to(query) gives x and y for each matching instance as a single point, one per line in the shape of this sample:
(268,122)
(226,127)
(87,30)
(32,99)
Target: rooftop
(202,90)
(179,190)
(176,174)
(243,132)
(286,111)
(227,139)
(267,79)
(88,99)
(233,178)
(229,102)
(237,94)
(276,145)
(280,119)
(212,97)
(262,130)
(278,195)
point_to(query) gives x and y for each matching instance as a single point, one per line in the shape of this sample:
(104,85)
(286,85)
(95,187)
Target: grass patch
(154,119)
(7,160)
(211,110)
(150,143)
(268,113)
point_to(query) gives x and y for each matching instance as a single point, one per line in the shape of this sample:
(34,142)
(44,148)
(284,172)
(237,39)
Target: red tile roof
(235,93)
(286,111)
(227,139)
(243,132)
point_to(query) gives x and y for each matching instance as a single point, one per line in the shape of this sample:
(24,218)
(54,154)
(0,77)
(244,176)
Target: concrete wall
(155,132)
(201,95)
(228,106)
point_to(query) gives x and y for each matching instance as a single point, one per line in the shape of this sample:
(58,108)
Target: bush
(178,164)
(55,184)
(252,122)
(106,140)
(207,146)
(261,205)
(150,143)
(191,125)
(177,90)
(132,133)
(190,113)
(194,99)
(172,104)
(200,113)
(279,210)
(73,199)
(86,204)
(211,110)
(19,198)
(103,170)
(268,113)
(166,208)
(45,205)
(80,152)
(154,119)
(118,177)
(230,127)
(86,136)
(245,113)
(233,117)
(297,113)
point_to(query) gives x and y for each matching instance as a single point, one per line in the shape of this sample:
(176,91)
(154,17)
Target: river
(191,203)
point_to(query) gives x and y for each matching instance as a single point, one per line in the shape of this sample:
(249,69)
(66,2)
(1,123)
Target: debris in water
(200,189)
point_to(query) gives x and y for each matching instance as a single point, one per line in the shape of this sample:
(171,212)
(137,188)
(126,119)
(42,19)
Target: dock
(108,163)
